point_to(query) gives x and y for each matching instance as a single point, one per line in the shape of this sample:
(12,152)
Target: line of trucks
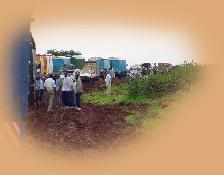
(26,64)
(93,69)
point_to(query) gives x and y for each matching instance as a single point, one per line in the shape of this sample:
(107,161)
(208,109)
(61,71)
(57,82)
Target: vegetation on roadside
(119,96)
(155,86)
(156,92)
(156,112)
(143,91)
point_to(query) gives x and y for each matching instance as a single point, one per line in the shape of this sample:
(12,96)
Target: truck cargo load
(78,61)
(45,63)
(103,66)
(119,67)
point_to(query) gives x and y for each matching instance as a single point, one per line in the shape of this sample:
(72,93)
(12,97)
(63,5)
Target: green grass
(119,96)
(131,119)
(148,120)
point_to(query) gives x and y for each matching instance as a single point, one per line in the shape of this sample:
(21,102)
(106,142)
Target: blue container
(22,56)
(119,66)
(58,63)
(104,64)
(67,61)
(123,66)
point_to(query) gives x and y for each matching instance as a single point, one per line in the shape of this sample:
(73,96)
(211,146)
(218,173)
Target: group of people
(66,90)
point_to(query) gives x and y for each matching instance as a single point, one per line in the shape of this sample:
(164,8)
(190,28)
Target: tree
(63,52)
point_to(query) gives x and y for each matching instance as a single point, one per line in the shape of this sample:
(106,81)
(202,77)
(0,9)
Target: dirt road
(94,127)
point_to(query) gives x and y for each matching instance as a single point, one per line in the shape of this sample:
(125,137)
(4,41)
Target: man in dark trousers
(77,86)
(67,91)
(37,90)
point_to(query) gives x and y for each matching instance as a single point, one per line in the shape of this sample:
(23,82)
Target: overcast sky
(134,44)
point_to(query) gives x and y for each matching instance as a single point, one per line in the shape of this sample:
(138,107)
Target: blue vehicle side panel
(104,64)
(22,54)
(119,66)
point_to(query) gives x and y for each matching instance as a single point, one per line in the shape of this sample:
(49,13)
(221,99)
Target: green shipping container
(78,63)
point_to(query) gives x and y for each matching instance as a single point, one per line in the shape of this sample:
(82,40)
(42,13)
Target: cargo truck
(58,63)
(62,63)
(102,66)
(119,67)
(23,71)
(78,61)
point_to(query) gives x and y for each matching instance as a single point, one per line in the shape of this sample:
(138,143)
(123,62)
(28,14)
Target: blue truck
(59,62)
(119,67)
(102,66)
(23,66)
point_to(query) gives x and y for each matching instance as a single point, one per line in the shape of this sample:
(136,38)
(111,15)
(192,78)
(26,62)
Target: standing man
(111,72)
(43,77)
(59,84)
(41,89)
(50,87)
(143,72)
(37,91)
(108,83)
(67,91)
(78,91)
(154,69)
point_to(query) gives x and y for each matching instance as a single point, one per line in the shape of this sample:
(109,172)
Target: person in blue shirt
(37,90)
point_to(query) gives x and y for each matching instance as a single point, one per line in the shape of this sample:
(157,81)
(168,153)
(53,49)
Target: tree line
(63,52)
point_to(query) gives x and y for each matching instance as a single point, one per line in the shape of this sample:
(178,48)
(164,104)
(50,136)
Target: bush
(162,84)
(131,119)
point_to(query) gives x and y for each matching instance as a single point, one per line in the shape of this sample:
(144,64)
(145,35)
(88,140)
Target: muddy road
(94,127)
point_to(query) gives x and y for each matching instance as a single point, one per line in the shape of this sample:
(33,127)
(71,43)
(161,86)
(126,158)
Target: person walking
(37,91)
(59,84)
(67,91)
(154,69)
(50,87)
(108,81)
(77,86)
(44,76)
(41,89)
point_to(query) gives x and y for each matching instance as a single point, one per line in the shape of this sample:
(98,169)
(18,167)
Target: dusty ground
(95,127)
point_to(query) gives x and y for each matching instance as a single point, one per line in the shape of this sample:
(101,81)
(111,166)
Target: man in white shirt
(108,83)
(67,91)
(50,87)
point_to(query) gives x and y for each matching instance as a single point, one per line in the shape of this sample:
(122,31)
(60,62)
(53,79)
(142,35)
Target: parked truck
(23,71)
(119,67)
(78,61)
(91,70)
(102,66)
(67,63)
(58,63)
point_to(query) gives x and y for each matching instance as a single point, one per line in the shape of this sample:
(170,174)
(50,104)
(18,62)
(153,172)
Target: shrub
(162,84)
(131,119)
